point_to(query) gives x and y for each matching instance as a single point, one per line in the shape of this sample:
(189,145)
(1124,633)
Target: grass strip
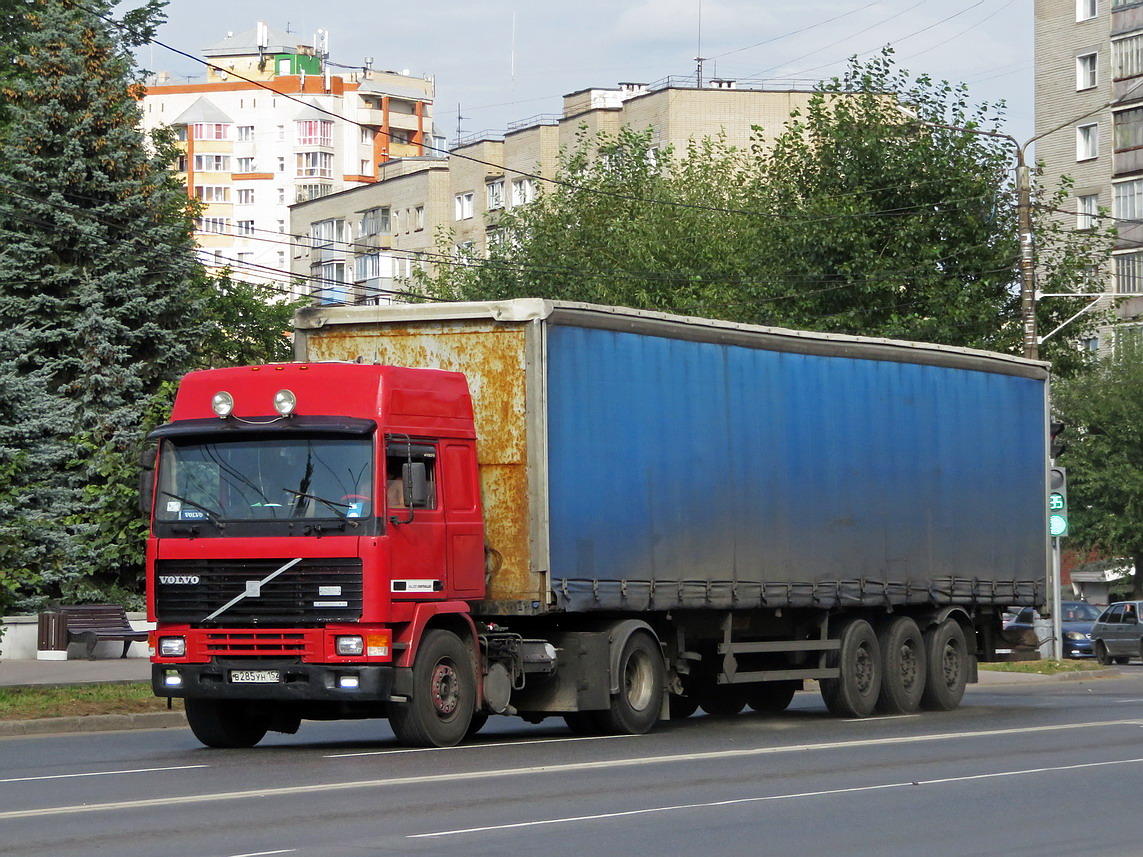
(32,702)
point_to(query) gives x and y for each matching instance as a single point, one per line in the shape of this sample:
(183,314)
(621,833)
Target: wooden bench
(90,623)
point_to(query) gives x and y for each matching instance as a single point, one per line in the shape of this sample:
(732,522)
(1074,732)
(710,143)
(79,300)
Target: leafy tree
(1103,412)
(97,267)
(242,327)
(858,218)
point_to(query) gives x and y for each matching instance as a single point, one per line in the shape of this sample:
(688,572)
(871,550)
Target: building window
(419,218)
(315,164)
(367,135)
(1086,9)
(212,193)
(315,132)
(1127,57)
(212,163)
(1129,129)
(367,267)
(244,259)
(210,131)
(281,163)
(245,165)
(246,196)
(375,221)
(496,194)
(330,285)
(244,227)
(1087,142)
(523,191)
(366,167)
(1127,200)
(245,133)
(1087,207)
(304,192)
(324,232)
(463,203)
(1085,71)
(1129,273)
(214,225)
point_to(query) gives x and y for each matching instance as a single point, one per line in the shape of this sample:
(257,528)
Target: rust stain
(492,357)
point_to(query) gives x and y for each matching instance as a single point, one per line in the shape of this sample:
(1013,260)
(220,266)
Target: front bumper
(298,682)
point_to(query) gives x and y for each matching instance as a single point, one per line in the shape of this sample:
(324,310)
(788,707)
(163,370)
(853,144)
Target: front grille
(254,644)
(311,592)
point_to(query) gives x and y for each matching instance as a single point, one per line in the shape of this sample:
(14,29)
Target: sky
(498,61)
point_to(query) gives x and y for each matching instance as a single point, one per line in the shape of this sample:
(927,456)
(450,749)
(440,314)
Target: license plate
(255,676)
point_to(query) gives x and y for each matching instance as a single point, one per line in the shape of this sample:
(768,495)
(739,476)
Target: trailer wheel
(903,666)
(682,707)
(642,677)
(772,697)
(854,693)
(444,693)
(723,700)
(947,659)
(226,724)
(586,723)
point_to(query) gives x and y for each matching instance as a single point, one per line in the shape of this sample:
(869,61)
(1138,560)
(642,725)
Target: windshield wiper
(337,507)
(211,515)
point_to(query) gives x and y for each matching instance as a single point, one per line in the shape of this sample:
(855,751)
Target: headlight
(172,647)
(350,646)
(1075,635)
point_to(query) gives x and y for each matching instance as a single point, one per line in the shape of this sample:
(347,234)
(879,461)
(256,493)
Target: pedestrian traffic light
(1057,445)
(1057,502)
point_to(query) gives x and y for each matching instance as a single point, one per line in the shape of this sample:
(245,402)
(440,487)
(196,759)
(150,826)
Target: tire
(586,723)
(723,700)
(1101,653)
(642,678)
(946,657)
(226,724)
(772,697)
(443,697)
(1122,659)
(682,707)
(855,692)
(476,723)
(903,666)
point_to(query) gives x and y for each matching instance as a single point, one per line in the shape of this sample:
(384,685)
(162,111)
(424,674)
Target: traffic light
(1057,446)
(1057,502)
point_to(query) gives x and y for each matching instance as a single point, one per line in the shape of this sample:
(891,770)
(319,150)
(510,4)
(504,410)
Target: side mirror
(147,460)
(416,484)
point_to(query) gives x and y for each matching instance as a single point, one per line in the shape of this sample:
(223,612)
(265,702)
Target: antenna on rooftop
(459,119)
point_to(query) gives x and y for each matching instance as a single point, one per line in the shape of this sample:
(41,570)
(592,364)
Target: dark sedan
(1076,619)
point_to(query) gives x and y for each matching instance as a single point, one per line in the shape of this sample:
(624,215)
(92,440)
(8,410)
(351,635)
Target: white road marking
(478,746)
(100,774)
(266,853)
(605,764)
(761,799)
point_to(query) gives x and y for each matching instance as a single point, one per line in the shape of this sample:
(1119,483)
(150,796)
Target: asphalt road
(1048,768)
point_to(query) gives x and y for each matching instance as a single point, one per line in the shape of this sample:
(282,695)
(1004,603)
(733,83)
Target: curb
(93,723)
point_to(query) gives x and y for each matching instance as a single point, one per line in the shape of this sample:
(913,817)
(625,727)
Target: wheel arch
(618,635)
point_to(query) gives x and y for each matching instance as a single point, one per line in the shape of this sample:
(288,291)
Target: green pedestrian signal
(1057,502)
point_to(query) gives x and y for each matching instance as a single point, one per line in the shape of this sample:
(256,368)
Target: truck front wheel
(854,693)
(226,724)
(642,677)
(444,694)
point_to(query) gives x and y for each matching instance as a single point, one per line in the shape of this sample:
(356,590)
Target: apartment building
(489,171)
(270,125)
(1089,123)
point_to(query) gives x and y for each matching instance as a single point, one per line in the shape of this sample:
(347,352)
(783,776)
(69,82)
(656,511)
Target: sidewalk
(103,670)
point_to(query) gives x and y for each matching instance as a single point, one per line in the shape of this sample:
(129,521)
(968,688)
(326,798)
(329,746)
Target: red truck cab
(308,521)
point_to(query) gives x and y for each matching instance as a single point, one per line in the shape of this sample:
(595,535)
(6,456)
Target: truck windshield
(257,479)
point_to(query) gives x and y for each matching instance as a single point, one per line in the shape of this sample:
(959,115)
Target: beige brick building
(489,171)
(1089,122)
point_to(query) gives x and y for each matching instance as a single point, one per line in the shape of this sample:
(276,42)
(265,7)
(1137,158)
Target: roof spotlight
(222,404)
(285,402)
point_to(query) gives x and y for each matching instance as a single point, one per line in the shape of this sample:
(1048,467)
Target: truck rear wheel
(947,661)
(642,677)
(903,666)
(226,724)
(444,694)
(854,693)
(771,697)
(723,700)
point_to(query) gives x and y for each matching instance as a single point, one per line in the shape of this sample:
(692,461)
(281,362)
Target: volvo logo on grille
(178,579)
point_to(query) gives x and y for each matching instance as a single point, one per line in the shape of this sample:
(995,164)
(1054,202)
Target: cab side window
(397,455)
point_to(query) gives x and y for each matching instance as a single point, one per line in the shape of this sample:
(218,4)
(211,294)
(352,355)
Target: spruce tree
(97,268)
